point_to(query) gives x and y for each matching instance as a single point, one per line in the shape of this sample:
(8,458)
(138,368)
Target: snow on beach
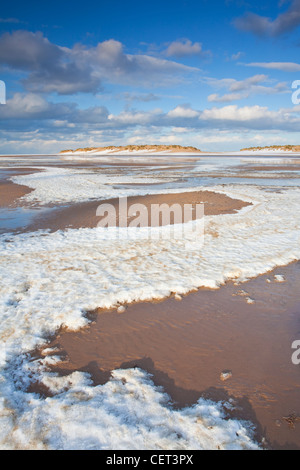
(61,185)
(55,185)
(53,279)
(128,412)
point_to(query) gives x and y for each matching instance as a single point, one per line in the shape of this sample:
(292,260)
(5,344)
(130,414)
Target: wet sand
(292,167)
(10,192)
(84,214)
(187,344)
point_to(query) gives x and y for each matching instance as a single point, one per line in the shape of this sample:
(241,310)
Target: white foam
(60,185)
(128,412)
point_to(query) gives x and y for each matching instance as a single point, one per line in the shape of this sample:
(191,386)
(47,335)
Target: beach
(187,344)
(106,337)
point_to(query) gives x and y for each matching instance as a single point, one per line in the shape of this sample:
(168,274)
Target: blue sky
(216,75)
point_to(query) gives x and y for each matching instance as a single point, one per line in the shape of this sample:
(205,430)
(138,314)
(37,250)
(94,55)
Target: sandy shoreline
(187,344)
(83,215)
(10,193)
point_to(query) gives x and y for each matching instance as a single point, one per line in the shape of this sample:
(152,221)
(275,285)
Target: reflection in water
(14,219)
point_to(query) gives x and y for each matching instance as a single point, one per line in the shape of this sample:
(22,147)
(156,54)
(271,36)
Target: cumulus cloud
(33,113)
(183,111)
(230,117)
(264,26)
(251,117)
(31,106)
(240,89)
(114,65)
(134,118)
(183,48)
(234,113)
(49,67)
(282,66)
(52,68)
(28,51)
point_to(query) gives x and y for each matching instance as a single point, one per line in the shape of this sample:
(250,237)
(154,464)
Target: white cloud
(32,120)
(240,89)
(183,112)
(282,66)
(52,68)
(136,118)
(215,97)
(234,113)
(29,106)
(183,48)
(264,26)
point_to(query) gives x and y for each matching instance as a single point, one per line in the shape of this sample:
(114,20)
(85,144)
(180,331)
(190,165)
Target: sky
(216,75)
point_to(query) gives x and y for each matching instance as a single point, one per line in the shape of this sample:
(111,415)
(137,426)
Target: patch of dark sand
(83,215)
(292,167)
(132,160)
(10,193)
